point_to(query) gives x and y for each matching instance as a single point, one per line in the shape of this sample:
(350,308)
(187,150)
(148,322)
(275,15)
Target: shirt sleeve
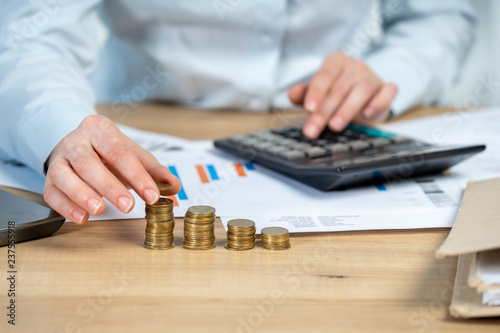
(47,52)
(423,45)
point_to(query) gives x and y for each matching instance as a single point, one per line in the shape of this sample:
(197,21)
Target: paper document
(488,271)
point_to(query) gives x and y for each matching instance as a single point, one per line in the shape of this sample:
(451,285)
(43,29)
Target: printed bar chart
(182,194)
(202,173)
(239,169)
(212,172)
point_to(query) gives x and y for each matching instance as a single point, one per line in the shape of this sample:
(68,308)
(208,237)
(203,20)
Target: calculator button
(359,145)
(336,148)
(316,152)
(342,139)
(263,135)
(320,142)
(292,155)
(287,142)
(379,142)
(263,145)
(361,160)
(302,146)
(249,142)
(239,138)
(294,135)
(276,150)
(400,139)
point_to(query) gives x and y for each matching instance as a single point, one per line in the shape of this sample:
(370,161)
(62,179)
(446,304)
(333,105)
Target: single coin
(201,210)
(274,231)
(240,223)
(164,188)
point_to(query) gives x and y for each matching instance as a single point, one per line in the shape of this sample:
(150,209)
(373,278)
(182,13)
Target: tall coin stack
(199,228)
(240,235)
(275,238)
(160,221)
(160,225)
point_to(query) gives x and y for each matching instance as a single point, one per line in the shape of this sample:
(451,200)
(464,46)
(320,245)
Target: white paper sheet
(488,267)
(488,270)
(491,298)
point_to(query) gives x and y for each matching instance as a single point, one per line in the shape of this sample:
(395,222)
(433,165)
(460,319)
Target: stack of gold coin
(160,225)
(160,221)
(275,238)
(199,228)
(240,235)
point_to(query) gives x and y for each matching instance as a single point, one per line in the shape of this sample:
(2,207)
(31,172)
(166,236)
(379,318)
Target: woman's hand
(97,160)
(343,90)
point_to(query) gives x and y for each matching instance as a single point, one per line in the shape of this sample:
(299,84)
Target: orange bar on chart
(239,169)
(174,199)
(202,173)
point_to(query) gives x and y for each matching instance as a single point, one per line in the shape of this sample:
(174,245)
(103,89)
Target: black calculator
(357,155)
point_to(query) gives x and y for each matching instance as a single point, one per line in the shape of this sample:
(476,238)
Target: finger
(64,178)
(159,172)
(357,98)
(297,93)
(379,118)
(112,145)
(381,102)
(89,167)
(56,199)
(319,119)
(322,81)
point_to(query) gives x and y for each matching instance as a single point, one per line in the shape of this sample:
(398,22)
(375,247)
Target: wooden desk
(99,278)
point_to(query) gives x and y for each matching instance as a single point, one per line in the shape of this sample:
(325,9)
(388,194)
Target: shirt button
(255,103)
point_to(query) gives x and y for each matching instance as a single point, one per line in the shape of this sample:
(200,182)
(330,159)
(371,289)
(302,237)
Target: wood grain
(99,278)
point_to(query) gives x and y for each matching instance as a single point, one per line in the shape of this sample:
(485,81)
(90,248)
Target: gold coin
(155,247)
(160,203)
(201,210)
(274,231)
(240,224)
(274,246)
(164,188)
(238,248)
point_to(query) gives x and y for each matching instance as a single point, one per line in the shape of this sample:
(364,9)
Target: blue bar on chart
(249,166)
(182,194)
(211,171)
(380,187)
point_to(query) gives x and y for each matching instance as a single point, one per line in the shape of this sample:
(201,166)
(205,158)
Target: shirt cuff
(413,82)
(46,127)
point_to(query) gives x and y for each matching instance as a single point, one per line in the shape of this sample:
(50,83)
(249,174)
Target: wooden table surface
(99,278)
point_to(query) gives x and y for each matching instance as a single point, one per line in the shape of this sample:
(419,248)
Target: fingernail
(311,106)
(125,204)
(369,112)
(310,131)
(151,196)
(78,215)
(337,124)
(93,205)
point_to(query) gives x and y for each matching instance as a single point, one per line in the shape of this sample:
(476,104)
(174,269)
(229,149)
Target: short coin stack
(275,238)
(199,228)
(160,225)
(240,235)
